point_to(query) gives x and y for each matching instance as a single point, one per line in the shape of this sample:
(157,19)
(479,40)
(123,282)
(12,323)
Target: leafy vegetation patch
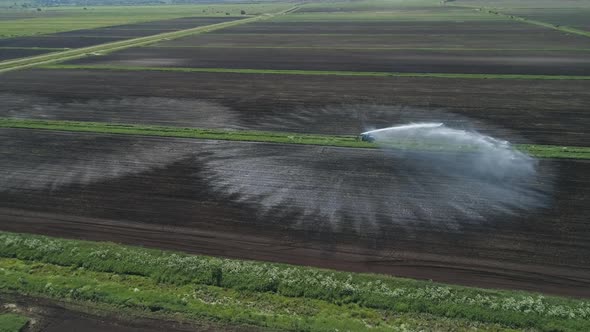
(266,294)
(541,151)
(12,322)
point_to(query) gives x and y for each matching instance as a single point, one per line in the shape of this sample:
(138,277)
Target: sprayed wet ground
(352,209)
(554,112)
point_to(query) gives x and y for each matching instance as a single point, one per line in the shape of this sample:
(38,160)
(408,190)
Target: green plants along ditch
(266,294)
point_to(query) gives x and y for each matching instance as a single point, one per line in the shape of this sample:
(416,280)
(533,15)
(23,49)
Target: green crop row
(541,151)
(266,294)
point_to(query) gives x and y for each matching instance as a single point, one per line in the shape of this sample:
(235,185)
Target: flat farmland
(61,19)
(554,113)
(243,143)
(403,61)
(486,34)
(146,29)
(572,17)
(288,207)
(443,46)
(89,37)
(572,13)
(10,53)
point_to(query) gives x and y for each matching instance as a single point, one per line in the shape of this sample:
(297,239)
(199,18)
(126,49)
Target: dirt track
(196,196)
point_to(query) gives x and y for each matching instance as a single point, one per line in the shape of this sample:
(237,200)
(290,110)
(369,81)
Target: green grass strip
(136,294)
(267,294)
(541,151)
(12,322)
(319,72)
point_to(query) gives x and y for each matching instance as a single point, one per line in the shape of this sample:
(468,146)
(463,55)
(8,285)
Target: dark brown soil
(362,41)
(57,42)
(466,34)
(6,54)
(412,61)
(522,111)
(146,29)
(89,37)
(288,204)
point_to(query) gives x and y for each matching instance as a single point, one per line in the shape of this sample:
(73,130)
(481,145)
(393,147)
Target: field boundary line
(71,54)
(319,72)
(345,141)
(445,49)
(558,27)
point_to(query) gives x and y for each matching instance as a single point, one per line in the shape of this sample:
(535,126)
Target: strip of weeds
(202,302)
(348,141)
(266,294)
(319,72)
(10,322)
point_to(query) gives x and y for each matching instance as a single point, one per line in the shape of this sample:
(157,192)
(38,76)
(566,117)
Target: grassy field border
(317,72)
(264,294)
(10,322)
(347,141)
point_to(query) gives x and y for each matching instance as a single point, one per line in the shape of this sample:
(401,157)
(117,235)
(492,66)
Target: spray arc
(372,135)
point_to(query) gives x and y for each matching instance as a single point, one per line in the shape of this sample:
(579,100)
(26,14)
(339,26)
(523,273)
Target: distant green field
(61,19)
